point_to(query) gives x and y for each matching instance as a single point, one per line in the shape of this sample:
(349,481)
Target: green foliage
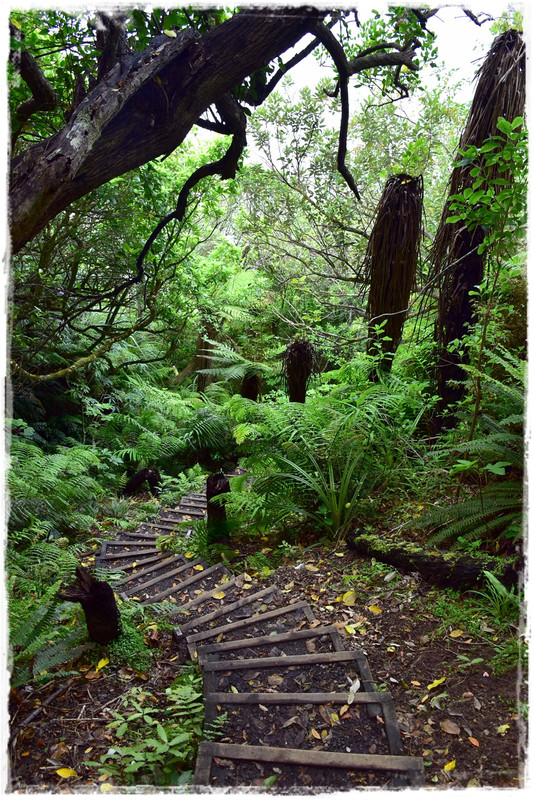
(40,638)
(496,200)
(130,648)
(503,604)
(51,493)
(156,737)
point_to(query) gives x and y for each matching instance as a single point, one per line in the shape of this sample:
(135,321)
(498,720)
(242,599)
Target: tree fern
(495,512)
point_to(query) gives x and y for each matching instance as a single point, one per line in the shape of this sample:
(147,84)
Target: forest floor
(453,673)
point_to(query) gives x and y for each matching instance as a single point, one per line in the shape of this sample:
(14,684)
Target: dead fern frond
(391,262)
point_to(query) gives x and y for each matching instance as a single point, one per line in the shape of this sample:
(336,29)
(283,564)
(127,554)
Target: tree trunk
(99,605)
(453,570)
(144,108)
(216,484)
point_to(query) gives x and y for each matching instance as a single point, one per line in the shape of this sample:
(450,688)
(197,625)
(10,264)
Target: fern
(497,511)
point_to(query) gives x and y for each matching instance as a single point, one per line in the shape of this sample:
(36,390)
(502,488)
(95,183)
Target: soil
(454,708)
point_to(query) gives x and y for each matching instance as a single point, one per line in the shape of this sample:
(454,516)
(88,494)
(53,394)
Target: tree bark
(144,108)
(453,570)
(99,605)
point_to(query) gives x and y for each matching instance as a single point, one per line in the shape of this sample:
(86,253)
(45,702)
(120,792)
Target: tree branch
(44,98)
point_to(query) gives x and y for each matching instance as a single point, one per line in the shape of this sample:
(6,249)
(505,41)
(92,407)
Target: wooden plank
(209,593)
(264,617)
(215,650)
(313,758)
(280,661)
(194,623)
(140,563)
(130,554)
(383,701)
(126,543)
(194,579)
(138,535)
(141,587)
(150,570)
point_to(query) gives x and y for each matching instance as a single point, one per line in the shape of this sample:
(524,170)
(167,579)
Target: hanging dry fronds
(457,267)
(391,262)
(298,363)
(500,92)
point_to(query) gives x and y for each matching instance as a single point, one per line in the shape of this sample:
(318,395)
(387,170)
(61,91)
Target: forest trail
(292,707)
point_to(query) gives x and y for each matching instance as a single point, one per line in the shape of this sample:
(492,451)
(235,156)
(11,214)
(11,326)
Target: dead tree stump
(216,485)
(99,605)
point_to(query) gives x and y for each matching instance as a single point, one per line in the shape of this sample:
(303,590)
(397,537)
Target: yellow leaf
(343,710)
(189,554)
(198,567)
(106,787)
(102,663)
(374,609)
(502,729)
(247,586)
(449,766)
(350,629)
(329,608)
(435,683)
(218,595)
(311,567)
(339,554)
(16,24)
(315,734)
(234,690)
(171,34)
(65,772)
(455,634)
(349,598)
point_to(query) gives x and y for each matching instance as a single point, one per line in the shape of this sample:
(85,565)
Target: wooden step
(221,675)
(245,607)
(150,570)
(291,615)
(139,588)
(336,713)
(214,770)
(325,638)
(188,584)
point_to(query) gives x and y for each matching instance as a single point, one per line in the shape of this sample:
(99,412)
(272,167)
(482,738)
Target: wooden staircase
(292,707)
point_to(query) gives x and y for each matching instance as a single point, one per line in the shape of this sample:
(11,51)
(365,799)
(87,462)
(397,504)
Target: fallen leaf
(311,568)
(60,750)
(435,683)
(92,676)
(350,629)
(349,598)
(473,741)
(292,721)
(315,734)
(310,646)
(502,729)
(234,690)
(449,726)
(275,680)
(374,610)
(449,766)
(218,595)
(65,772)
(456,633)
(198,567)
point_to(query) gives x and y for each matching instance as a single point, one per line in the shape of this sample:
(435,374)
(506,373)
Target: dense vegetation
(271,281)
